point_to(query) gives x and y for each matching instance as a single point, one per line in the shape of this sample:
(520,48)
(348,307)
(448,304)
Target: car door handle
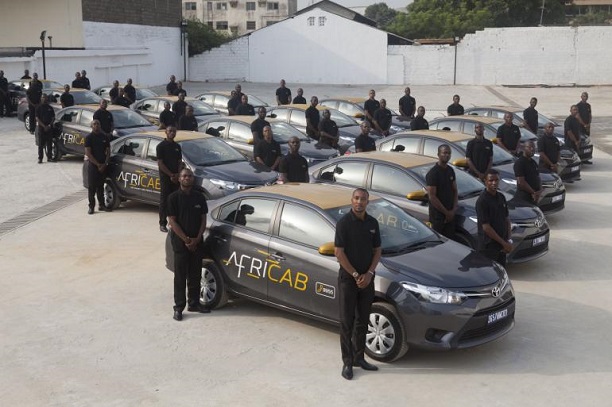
(277,256)
(221,239)
(146,171)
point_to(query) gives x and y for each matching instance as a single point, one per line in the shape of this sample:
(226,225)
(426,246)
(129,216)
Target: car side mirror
(398,148)
(358,115)
(327,249)
(495,140)
(272,116)
(417,196)
(461,162)
(250,142)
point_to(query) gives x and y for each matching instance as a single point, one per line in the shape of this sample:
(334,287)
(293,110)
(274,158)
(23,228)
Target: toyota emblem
(539,223)
(495,292)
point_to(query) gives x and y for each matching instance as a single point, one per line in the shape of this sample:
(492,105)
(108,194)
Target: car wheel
(465,240)
(386,338)
(26,122)
(111,195)
(56,150)
(212,287)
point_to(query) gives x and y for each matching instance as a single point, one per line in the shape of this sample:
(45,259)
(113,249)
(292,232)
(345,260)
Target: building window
(251,25)
(190,5)
(211,24)
(273,6)
(221,6)
(322,20)
(222,25)
(250,6)
(209,6)
(269,23)
(311,20)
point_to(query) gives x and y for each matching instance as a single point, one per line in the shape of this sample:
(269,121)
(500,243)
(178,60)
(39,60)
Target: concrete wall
(228,62)
(421,65)
(165,13)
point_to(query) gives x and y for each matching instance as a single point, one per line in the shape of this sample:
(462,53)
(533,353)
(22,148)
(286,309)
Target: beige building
(239,17)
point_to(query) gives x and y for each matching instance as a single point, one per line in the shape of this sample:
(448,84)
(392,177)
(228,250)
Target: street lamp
(183,45)
(455,41)
(50,41)
(42,40)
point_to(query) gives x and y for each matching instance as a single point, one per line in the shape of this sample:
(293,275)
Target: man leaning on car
(170,162)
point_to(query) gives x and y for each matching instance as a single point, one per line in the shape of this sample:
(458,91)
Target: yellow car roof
(452,136)
(481,119)
(406,160)
(181,135)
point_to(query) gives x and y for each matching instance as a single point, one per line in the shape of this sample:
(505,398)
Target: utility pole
(542,12)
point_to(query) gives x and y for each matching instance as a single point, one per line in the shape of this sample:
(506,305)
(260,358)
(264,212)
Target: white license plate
(575,168)
(539,240)
(557,198)
(588,150)
(496,316)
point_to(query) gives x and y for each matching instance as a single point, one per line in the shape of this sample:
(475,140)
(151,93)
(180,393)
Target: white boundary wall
(229,62)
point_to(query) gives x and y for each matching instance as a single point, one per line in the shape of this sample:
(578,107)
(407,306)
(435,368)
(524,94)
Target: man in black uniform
(364,142)
(121,100)
(113,93)
(358,250)
(244,108)
(66,100)
(419,122)
(584,113)
(530,115)
(528,183)
(442,191)
(313,118)
(33,95)
(268,151)
(167,117)
(455,109)
(407,104)
(293,167)
(188,121)
(283,94)
(328,130)
(77,82)
(382,118)
(26,74)
(179,107)
(45,116)
(370,106)
(169,162)
(179,88)
(509,135)
(299,99)
(572,129)
(258,125)
(129,91)
(105,118)
(97,150)
(187,211)
(493,222)
(479,153)
(235,100)
(85,80)
(171,86)
(550,151)
(5,100)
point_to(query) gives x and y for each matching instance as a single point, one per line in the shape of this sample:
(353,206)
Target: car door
(240,137)
(148,109)
(71,136)
(300,277)
(127,167)
(150,182)
(239,240)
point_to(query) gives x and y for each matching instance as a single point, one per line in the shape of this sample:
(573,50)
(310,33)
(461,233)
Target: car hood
(314,150)
(140,129)
(242,172)
(518,213)
(447,265)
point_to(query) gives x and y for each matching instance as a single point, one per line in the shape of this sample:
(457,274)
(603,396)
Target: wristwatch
(355,274)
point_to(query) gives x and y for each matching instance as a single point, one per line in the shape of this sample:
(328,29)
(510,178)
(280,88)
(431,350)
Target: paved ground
(86,303)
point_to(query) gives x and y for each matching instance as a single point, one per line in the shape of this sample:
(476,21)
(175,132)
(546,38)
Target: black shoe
(163,228)
(40,160)
(178,315)
(365,365)
(347,372)
(90,211)
(198,308)
(589,162)
(104,209)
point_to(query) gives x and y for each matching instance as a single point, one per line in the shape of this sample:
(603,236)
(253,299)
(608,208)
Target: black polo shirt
(365,143)
(34,92)
(257,127)
(268,152)
(383,118)
(284,95)
(246,110)
(130,92)
(78,83)
(509,135)
(45,113)
(328,126)
(419,123)
(442,179)
(479,151)
(358,238)
(170,153)
(98,142)
(167,118)
(85,82)
(67,99)
(179,108)
(295,166)
(299,100)
(233,103)
(527,168)
(188,209)
(371,106)
(455,110)
(4,84)
(106,120)
(408,105)
(549,145)
(122,101)
(492,210)
(584,109)
(312,114)
(571,123)
(188,123)
(171,88)
(113,94)
(531,118)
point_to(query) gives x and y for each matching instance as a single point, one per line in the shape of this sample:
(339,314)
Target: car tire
(111,195)
(212,287)
(386,337)
(465,240)
(26,122)
(56,150)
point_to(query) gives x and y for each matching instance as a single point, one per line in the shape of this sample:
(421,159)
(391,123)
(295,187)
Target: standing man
(584,113)
(509,135)
(129,91)
(442,192)
(244,108)
(293,167)
(493,222)
(85,80)
(66,100)
(364,142)
(97,150)
(45,116)
(358,250)
(169,162)
(370,106)
(77,82)
(530,115)
(5,100)
(188,121)
(419,122)
(328,130)
(313,118)
(258,125)
(283,94)
(528,183)
(105,118)
(167,118)
(407,104)
(382,118)
(572,129)
(455,109)
(268,151)
(113,93)
(299,99)
(550,151)
(26,74)
(179,88)
(171,86)
(235,100)
(179,107)
(33,94)
(187,211)
(479,153)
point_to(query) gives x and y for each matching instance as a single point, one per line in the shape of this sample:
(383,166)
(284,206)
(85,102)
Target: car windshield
(283,132)
(467,186)
(52,85)
(143,93)
(201,108)
(341,119)
(542,120)
(255,101)
(500,156)
(125,119)
(399,231)
(86,98)
(210,151)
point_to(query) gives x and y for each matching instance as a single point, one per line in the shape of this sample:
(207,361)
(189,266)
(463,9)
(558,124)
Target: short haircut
(441,146)
(365,191)
(492,171)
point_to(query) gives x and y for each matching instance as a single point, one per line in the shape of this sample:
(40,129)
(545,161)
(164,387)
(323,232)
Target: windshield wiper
(414,246)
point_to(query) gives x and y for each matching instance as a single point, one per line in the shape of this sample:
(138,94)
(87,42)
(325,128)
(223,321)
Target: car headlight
(505,280)
(232,186)
(509,181)
(115,134)
(474,219)
(309,160)
(347,139)
(434,295)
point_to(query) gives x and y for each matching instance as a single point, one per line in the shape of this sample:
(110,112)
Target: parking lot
(87,302)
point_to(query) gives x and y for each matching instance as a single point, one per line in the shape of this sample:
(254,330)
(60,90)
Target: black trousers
(355,306)
(95,180)
(167,187)
(445,229)
(5,105)
(494,252)
(45,143)
(187,269)
(32,117)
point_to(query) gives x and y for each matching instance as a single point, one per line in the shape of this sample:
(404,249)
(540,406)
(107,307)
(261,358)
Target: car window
(126,119)
(281,114)
(86,118)
(386,145)
(69,115)
(431,148)
(209,151)
(350,173)
(132,146)
(240,132)
(350,109)
(217,128)
(411,144)
(305,226)
(144,93)
(479,112)
(490,133)
(469,127)
(393,180)
(221,101)
(149,105)
(330,103)
(255,214)
(152,149)
(228,212)
(497,114)
(298,118)
(452,125)
(207,98)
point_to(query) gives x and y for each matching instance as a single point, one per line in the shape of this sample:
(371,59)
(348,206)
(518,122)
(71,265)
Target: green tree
(203,38)
(381,13)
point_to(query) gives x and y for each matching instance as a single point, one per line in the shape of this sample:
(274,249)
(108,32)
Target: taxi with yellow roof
(151,107)
(275,245)
(354,107)
(400,178)
(219,100)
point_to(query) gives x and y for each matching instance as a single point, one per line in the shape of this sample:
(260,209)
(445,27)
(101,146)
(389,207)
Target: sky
(358,3)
